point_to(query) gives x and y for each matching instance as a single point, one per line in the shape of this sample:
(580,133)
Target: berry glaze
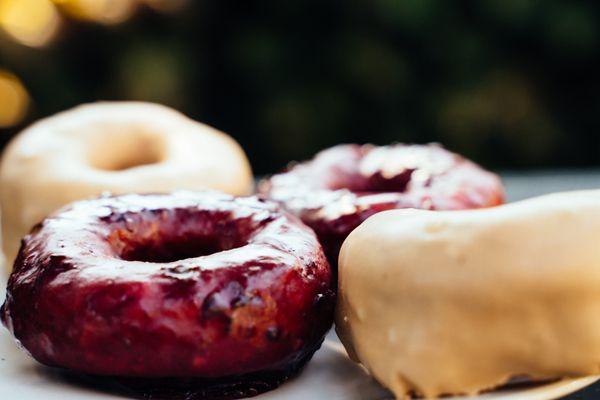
(342,186)
(231,294)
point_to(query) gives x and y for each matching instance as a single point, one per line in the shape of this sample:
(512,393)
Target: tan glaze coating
(117,147)
(456,302)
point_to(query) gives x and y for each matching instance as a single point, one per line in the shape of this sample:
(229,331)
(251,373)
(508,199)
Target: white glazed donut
(461,301)
(117,147)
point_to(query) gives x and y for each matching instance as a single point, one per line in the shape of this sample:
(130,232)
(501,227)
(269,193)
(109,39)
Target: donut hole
(369,170)
(120,151)
(163,237)
(376,182)
(173,250)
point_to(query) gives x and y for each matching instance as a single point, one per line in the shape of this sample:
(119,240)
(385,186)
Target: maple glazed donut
(344,185)
(203,286)
(117,147)
(459,302)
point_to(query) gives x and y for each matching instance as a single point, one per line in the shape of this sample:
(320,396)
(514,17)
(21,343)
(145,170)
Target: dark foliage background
(510,83)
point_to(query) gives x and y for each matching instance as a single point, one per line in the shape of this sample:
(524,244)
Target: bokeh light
(31,22)
(153,72)
(14,100)
(102,11)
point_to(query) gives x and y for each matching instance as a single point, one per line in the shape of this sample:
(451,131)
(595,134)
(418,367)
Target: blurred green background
(510,83)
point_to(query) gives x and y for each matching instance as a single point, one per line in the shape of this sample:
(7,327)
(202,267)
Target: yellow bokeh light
(102,11)
(31,22)
(14,100)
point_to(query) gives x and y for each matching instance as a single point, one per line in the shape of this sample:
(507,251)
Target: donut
(344,185)
(457,302)
(119,147)
(227,293)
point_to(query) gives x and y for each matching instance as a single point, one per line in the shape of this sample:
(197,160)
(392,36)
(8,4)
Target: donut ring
(119,147)
(484,296)
(344,185)
(227,291)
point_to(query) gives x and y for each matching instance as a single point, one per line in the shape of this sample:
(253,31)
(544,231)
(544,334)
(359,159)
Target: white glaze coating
(118,147)
(455,302)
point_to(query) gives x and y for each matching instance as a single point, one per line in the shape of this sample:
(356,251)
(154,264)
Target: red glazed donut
(344,185)
(231,292)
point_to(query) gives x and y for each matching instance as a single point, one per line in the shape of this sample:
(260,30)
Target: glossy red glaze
(199,285)
(344,185)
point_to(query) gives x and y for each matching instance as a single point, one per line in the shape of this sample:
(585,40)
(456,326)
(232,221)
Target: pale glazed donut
(455,302)
(118,147)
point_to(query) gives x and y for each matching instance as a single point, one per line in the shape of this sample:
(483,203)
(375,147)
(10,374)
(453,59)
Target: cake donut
(457,302)
(344,185)
(120,147)
(228,294)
